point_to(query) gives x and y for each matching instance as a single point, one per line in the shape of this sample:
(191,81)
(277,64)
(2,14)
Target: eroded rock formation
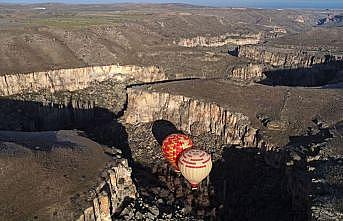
(249,72)
(228,38)
(191,115)
(75,79)
(110,195)
(286,57)
(294,66)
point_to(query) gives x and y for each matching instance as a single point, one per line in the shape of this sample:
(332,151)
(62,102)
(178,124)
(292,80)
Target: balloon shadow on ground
(162,129)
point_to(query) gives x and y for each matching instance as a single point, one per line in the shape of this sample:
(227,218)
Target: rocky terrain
(88,93)
(47,174)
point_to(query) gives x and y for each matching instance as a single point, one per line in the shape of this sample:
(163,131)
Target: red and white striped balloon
(195,165)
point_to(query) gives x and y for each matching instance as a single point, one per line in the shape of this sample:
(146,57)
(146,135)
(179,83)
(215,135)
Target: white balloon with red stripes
(195,165)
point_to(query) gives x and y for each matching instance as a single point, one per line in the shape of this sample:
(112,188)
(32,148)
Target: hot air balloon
(195,165)
(173,145)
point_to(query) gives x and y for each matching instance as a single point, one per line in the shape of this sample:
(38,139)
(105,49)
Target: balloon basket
(194,186)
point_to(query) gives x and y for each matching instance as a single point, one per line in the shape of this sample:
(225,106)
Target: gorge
(81,127)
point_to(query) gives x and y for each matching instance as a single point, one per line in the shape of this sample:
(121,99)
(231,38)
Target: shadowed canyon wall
(44,110)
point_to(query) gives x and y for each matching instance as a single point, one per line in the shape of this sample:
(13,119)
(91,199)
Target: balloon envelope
(195,165)
(173,145)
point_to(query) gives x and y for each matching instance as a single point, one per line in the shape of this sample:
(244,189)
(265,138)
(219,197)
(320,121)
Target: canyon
(88,93)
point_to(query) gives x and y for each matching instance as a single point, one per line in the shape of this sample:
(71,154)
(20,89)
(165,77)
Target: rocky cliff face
(284,57)
(109,196)
(228,38)
(293,66)
(75,79)
(190,115)
(249,72)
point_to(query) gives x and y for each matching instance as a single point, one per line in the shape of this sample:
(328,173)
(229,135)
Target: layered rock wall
(110,195)
(284,57)
(294,66)
(190,115)
(217,41)
(75,79)
(249,72)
